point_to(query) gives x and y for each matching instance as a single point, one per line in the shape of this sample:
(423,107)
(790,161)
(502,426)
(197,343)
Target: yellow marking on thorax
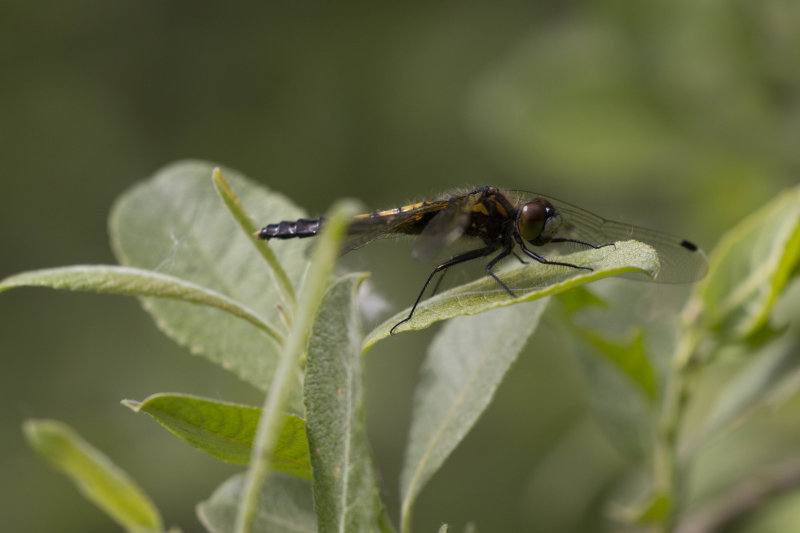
(501,209)
(480,208)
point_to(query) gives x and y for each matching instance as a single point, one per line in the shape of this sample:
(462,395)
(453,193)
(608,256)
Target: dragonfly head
(538,221)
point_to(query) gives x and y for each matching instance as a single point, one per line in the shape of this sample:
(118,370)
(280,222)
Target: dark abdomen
(305,227)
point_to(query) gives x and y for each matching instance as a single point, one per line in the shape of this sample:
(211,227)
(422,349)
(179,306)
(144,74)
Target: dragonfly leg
(438,282)
(584,243)
(461,258)
(489,271)
(503,253)
(545,261)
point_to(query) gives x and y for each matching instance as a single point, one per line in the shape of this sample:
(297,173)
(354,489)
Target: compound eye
(532,218)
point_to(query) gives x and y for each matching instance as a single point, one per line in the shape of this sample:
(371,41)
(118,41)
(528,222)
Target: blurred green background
(679,115)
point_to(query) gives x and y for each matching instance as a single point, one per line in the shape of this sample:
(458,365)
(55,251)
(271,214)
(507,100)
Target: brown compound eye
(532,218)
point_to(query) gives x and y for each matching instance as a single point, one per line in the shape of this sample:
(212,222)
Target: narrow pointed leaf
(176,224)
(749,268)
(134,282)
(226,430)
(284,382)
(529,282)
(464,366)
(242,217)
(284,506)
(96,476)
(345,492)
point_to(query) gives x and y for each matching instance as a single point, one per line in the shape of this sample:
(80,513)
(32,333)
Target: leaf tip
(220,183)
(133,405)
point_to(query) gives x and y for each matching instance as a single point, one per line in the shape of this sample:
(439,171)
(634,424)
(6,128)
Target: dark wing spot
(692,247)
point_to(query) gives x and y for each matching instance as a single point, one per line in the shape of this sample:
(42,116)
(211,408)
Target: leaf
(225,430)
(284,506)
(748,269)
(345,492)
(629,358)
(97,478)
(242,218)
(620,376)
(133,282)
(284,383)
(618,401)
(770,371)
(464,366)
(530,282)
(175,223)
(578,299)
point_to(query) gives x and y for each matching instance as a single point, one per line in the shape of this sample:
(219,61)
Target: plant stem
(322,263)
(666,462)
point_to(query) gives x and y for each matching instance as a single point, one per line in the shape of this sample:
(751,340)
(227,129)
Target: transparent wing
(362,232)
(393,223)
(444,228)
(681,261)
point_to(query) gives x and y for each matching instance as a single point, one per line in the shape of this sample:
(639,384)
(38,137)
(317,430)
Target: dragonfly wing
(681,261)
(404,221)
(361,233)
(444,228)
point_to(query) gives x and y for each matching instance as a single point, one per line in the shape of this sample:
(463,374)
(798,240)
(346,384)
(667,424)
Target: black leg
(488,271)
(438,282)
(503,253)
(544,261)
(461,258)
(584,243)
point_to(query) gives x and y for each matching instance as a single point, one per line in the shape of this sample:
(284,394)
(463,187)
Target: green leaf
(578,299)
(617,399)
(620,378)
(240,215)
(763,376)
(284,506)
(529,282)
(464,366)
(134,282)
(653,509)
(629,358)
(345,492)
(749,268)
(175,223)
(226,430)
(97,478)
(284,382)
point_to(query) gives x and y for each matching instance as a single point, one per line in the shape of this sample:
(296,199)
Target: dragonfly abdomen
(305,227)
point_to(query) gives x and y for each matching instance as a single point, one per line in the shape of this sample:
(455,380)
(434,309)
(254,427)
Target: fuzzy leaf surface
(464,366)
(345,490)
(127,281)
(284,506)
(176,224)
(529,282)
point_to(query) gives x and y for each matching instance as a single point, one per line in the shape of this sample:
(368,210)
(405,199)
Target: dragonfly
(499,222)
